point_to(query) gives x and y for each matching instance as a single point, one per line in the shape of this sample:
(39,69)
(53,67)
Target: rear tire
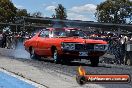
(33,55)
(94,61)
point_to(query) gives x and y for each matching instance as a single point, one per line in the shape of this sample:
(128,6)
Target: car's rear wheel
(33,55)
(94,61)
(56,57)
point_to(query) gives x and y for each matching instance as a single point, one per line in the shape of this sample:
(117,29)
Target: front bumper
(76,54)
(83,50)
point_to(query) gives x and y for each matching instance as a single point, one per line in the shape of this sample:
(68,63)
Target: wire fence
(118,50)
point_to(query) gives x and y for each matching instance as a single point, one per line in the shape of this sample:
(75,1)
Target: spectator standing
(4,35)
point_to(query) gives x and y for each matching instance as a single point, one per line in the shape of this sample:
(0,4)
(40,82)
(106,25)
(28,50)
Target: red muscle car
(65,45)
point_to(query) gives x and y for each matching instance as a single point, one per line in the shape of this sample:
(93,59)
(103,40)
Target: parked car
(65,45)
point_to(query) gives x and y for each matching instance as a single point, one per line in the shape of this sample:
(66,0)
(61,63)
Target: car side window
(44,34)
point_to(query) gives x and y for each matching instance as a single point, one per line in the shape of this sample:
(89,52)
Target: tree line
(8,12)
(109,11)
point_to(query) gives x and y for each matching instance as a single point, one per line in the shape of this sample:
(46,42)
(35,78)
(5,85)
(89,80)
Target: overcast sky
(76,9)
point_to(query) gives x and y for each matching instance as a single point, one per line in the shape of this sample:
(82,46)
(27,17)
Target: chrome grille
(90,46)
(80,47)
(84,46)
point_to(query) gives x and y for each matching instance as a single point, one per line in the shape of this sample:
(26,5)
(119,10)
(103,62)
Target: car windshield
(69,33)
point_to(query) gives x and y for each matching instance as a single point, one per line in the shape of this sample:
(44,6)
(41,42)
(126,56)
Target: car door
(43,46)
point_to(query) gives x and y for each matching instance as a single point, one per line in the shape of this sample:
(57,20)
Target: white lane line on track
(90,86)
(23,79)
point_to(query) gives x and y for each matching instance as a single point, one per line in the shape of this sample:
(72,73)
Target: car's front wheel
(56,57)
(94,61)
(33,55)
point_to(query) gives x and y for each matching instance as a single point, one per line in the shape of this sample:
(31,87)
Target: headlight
(101,47)
(68,46)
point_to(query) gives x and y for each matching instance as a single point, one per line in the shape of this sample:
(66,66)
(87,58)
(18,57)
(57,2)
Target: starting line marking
(18,78)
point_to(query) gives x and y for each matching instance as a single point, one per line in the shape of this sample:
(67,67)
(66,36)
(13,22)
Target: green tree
(22,12)
(60,12)
(115,11)
(7,11)
(37,14)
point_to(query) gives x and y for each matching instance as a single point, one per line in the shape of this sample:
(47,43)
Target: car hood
(81,40)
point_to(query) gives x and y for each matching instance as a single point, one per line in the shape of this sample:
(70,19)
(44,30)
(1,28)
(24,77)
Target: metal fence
(117,50)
